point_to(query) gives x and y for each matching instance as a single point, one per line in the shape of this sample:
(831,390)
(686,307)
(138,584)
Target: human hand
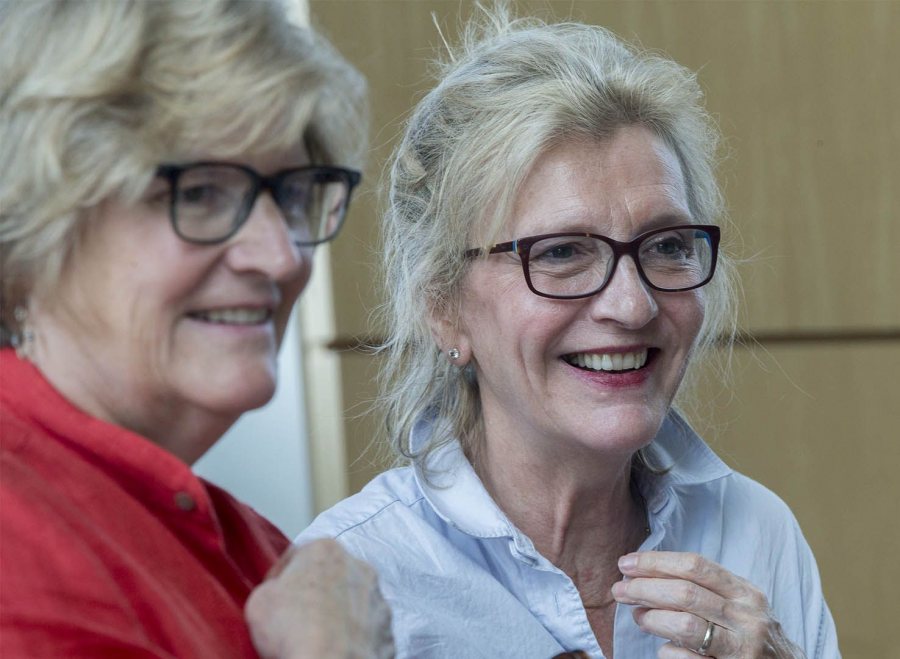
(318,601)
(702,608)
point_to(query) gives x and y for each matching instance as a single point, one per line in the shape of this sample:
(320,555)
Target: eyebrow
(668,218)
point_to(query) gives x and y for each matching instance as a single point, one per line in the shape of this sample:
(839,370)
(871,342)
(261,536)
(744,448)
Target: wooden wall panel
(365,458)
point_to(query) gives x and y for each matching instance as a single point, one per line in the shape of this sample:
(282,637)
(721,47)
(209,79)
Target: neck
(578,513)
(185,432)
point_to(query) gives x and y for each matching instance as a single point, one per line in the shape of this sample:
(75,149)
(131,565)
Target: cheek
(292,289)
(697,314)
(290,292)
(687,313)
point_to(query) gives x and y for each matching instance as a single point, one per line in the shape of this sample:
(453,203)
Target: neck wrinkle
(569,511)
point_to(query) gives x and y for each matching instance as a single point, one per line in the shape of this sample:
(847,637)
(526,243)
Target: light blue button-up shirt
(464,583)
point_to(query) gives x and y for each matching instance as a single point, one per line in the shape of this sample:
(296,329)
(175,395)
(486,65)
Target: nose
(264,244)
(626,299)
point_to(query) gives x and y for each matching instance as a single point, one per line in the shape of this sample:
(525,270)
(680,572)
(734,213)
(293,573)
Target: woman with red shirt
(167,170)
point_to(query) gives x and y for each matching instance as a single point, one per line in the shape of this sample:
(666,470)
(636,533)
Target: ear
(443,319)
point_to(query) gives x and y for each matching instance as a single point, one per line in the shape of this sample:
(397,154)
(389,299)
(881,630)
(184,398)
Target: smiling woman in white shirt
(553,273)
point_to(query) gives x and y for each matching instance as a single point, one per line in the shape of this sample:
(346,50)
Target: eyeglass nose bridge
(620,249)
(258,185)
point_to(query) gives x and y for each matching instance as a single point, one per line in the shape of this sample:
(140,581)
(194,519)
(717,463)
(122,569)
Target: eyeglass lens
(676,259)
(213,201)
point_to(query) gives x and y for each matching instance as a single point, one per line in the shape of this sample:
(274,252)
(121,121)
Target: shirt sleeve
(821,634)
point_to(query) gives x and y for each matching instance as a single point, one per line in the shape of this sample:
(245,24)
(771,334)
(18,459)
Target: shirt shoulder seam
(378,512)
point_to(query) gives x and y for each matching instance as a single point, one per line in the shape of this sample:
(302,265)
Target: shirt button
(185,501)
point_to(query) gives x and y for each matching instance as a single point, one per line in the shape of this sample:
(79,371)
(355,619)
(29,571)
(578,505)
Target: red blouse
(109,545)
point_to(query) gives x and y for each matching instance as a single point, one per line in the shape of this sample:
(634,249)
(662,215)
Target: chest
(126,571)
(603,625)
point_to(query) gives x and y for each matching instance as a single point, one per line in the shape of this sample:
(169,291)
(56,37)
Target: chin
(235,395)
(625,430)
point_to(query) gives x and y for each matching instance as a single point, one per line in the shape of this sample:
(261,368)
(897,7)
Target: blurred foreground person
(166,171)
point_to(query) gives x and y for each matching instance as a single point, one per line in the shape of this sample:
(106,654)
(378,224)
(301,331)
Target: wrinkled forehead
(619,186)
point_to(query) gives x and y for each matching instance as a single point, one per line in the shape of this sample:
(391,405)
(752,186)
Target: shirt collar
(458,496)
(684,458)
(454,490)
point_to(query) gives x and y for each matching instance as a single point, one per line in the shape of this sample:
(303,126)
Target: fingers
(689,633)
(301,557)
(672,651)
(678,595)
(675,595)
(687,566)
(320,601)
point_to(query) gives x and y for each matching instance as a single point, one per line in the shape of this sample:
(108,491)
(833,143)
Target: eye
(667,245)
(565,251)
(548,250)
(200,194)
(670,246)
(296,196)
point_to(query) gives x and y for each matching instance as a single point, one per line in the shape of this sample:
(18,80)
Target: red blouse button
(185,501)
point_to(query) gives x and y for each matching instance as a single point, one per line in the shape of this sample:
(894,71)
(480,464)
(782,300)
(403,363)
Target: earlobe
(450,339)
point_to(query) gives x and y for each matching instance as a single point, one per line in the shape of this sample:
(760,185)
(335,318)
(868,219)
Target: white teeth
(237,316)
(619,361)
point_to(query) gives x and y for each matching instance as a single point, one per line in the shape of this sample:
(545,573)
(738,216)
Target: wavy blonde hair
(94,95)
(512,89)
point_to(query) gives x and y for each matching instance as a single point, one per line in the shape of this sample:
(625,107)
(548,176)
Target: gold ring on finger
(707,639)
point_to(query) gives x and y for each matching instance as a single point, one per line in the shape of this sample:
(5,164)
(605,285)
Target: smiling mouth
(236,316)
(610,362)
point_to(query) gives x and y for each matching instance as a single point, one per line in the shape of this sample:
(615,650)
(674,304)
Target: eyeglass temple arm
(499,248)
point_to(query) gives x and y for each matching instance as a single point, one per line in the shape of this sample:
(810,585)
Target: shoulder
(389,496)
(391,525)
(736,517)
(754,501)
(245,523)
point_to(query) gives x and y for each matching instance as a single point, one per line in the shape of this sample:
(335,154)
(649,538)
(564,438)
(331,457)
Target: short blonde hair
(510,91)
(96,94)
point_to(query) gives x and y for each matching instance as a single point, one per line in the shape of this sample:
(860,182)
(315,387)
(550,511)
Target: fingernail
(618,589)
(628,562)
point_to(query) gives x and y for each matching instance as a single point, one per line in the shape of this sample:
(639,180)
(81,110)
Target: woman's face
(525,348)
(167,338)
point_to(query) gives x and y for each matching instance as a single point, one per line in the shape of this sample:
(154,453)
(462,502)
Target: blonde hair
(512,89)
(96,94)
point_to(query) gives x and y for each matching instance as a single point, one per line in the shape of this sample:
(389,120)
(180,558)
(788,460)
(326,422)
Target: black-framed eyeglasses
(568,266)
(211,201)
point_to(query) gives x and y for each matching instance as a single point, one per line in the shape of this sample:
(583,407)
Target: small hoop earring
(453,354)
